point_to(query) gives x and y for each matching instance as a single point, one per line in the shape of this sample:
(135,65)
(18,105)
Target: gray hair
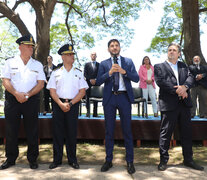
(175,44)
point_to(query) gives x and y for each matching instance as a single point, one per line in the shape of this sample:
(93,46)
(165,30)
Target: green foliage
(170,28)
(92,20)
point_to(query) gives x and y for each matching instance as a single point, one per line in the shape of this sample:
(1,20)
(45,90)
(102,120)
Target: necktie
(94,65)
(116,76)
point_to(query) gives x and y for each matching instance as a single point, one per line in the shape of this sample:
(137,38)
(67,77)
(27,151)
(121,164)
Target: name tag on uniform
(34,71)
(14,68)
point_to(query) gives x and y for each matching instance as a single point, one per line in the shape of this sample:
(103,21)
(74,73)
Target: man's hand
(93,81)
(21,97)
(181,90)
(199,77)
(65,106)
(116,68)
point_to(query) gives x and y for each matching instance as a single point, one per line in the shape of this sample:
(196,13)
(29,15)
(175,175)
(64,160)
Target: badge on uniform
(34,71)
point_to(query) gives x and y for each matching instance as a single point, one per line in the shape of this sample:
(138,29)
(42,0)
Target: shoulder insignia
(9,58)
(77,69)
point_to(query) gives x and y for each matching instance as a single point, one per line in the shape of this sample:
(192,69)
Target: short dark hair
(144,58)
(175,44)
(113,40)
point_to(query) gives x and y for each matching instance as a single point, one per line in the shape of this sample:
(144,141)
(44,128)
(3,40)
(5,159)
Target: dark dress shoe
(130,168)
(106,166)
(53,165)
(193,165)
(7,164)
(33,165)
(162,166)
(74,165)
(88,115)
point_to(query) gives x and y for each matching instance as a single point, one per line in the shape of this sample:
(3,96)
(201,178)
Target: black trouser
(182,116)
(47,98)
(95,104)
(65,126)
(29,111)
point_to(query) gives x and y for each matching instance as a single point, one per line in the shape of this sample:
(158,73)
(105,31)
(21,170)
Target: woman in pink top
(146,75)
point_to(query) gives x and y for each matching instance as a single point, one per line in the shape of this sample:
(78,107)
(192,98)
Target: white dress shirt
(23,77)
(67,84)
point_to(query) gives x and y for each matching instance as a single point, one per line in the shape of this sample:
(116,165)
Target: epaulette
(9,58)
(77,69)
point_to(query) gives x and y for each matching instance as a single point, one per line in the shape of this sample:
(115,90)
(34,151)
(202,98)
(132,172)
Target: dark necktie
(116,76)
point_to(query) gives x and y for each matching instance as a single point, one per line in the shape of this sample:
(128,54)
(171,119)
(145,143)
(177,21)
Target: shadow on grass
(95,154)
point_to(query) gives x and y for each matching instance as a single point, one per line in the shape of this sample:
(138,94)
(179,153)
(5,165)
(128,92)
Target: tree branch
(14,18)
(18,3)
(70,6)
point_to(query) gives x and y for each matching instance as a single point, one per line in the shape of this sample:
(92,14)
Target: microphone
(115,60)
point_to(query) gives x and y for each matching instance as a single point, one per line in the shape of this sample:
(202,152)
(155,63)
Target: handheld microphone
(115,60)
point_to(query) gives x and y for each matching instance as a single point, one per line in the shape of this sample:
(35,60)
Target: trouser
(200,93)
(151,92)
(65,127)
(122,103)
(29,111)
(47,98)
(95,104)
(169,119)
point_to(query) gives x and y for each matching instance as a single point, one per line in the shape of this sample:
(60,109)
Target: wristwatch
(186,87)
(70,104)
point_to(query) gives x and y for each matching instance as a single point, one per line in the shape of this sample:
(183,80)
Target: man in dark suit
(48,68)
(174,81)
(90,73)
(200,89)
(116,73)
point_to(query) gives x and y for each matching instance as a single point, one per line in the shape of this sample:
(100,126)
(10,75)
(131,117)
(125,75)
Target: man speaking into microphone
(116,73)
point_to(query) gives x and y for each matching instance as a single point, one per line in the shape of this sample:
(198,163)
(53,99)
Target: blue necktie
(116,76)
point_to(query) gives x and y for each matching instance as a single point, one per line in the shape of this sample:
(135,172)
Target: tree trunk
(44,10)
(190,12)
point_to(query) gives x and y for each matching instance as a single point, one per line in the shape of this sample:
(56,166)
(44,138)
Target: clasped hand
(21,97)
(116,68)
(65,106)
(181,91)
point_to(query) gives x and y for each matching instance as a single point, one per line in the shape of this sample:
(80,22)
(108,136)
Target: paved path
(92,172)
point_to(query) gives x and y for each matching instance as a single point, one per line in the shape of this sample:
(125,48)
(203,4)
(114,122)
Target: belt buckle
(66,100)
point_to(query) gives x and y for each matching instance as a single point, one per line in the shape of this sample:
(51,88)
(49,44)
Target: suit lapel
(122,62)
(179,72)
(167,66)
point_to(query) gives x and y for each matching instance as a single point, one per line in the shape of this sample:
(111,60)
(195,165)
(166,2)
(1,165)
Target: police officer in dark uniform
(67,87)
(23,78)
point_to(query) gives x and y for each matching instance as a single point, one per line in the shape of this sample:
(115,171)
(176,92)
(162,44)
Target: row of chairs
(97,96)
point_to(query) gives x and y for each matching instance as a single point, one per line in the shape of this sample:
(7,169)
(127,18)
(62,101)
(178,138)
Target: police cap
(66,49)
(28,39)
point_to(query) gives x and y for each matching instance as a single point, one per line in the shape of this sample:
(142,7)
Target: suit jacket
(90,72)
(166,80)
(103,77)
(195,71)
(45,68)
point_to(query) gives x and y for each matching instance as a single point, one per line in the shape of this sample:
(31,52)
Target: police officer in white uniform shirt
(23,78)
(67,87)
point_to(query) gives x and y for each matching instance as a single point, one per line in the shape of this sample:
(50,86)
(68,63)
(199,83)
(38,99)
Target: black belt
(65,100)
(118,92)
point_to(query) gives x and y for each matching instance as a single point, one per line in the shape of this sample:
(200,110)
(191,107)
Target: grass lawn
(88,153)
